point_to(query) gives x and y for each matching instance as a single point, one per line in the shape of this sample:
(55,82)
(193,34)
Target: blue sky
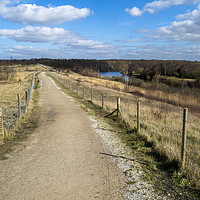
(106,29)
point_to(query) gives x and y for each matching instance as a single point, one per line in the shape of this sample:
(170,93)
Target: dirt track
(61,159)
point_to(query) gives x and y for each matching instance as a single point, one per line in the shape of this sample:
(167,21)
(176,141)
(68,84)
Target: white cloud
(179,31)
(190,15)
(89,44)
(61,52)
(165,52)
(39,34)
(187,29)
(53,35)
(168,52)
(155,6)
(136,12)
(33,14)
(34,52)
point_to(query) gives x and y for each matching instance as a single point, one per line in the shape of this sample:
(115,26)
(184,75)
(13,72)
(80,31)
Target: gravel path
(62,159)
(136,188)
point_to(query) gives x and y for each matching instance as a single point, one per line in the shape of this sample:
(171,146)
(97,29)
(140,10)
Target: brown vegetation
(161,122)
(18,81)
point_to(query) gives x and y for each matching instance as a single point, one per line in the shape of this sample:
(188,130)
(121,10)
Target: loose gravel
(121,155)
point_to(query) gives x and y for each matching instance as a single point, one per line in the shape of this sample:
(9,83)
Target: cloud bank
(155,6)
(185,28)
(54,35)
(33,14)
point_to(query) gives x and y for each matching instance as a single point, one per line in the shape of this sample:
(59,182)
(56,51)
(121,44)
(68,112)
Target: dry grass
(95,81)
(171,98)
(161,123)
(18,83)
(23,127)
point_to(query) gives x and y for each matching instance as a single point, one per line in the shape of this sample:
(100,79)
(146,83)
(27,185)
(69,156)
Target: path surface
(61,159)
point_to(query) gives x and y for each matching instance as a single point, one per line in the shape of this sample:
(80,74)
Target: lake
(117,74)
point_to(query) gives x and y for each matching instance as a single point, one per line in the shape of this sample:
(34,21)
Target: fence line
(1,123)
(31,89)
(96,96)
(21,107)
(159,121)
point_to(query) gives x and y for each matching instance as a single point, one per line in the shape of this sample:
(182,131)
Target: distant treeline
(144,69)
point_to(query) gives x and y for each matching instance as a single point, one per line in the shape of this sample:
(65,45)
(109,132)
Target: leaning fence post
(19,106)
(185,114)
(1,123)
(102,100)
(138,117)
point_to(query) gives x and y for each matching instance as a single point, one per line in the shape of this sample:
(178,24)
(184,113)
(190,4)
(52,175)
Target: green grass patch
(131,182)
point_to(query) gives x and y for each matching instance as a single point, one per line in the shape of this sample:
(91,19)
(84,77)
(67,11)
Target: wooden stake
(102,100)
(138,116)
(19,106)
(185,114)
(26,98)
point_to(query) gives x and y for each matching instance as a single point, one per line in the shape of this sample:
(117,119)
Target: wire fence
(160,123)
(14,105)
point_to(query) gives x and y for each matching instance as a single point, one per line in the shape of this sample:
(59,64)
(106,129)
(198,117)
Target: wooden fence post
(1,123)
(118,106)
(26,101)
(185,115)
(26,98)
(102,100)
(19,106)
(138,117)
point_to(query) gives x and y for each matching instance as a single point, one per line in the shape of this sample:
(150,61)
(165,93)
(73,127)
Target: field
(17,82)
(189,101)
(161,123)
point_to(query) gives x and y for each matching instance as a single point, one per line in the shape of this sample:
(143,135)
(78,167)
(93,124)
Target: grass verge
(23,128)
